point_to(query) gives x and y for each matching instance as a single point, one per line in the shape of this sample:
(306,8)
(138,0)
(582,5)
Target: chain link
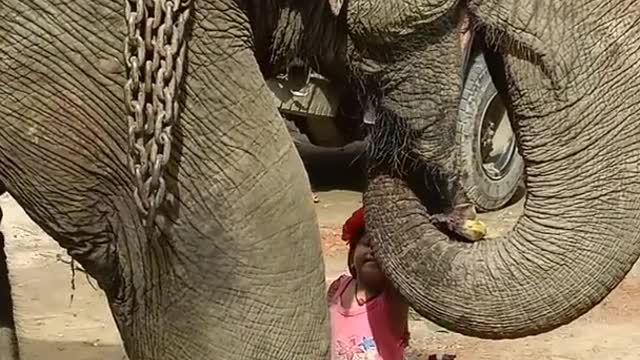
(154,53)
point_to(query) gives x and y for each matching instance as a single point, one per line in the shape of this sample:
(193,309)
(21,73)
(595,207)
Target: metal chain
(154,51)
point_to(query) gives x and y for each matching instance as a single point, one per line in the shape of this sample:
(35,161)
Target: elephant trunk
(575,241)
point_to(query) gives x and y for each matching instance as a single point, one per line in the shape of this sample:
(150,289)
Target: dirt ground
(53,326)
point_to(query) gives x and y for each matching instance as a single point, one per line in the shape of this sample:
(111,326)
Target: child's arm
(398,312)
(394,296)
(332,290)
(335,285)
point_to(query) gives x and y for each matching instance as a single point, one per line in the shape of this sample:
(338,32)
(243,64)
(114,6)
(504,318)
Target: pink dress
(363,332)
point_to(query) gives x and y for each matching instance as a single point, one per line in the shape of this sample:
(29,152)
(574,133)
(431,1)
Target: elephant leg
(8,339)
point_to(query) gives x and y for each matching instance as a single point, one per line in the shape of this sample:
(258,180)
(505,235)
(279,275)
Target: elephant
(140,135)
(149,147)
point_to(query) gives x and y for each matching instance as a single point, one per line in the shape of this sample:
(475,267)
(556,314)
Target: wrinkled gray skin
(239,273)
(224,283)
(569,72)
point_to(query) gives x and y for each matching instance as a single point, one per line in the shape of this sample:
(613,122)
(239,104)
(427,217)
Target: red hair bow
(353,225)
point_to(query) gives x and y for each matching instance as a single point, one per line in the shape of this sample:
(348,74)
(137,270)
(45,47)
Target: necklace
(360,302)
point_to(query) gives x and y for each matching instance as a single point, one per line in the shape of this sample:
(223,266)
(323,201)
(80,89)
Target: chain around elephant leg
(155,49)
(8,339)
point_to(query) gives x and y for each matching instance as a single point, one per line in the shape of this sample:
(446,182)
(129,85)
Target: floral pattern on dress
(356,349)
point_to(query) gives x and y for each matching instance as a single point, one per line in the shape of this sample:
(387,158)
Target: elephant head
(567,72)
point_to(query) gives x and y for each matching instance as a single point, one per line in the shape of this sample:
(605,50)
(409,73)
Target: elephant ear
(336,6)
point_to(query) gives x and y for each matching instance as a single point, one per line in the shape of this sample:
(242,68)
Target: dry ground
(53,327)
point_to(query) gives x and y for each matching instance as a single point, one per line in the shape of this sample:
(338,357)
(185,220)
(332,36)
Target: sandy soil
(53,326)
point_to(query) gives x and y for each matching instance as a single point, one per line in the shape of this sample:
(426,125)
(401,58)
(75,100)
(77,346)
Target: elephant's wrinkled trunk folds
(575,241)
(573,244)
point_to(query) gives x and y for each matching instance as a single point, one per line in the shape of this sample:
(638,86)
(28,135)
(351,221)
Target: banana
(462,221)
(473,230)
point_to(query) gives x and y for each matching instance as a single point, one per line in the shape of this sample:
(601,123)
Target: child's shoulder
(337,284)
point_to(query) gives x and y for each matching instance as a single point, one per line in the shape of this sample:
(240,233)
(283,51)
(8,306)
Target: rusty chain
(154,52)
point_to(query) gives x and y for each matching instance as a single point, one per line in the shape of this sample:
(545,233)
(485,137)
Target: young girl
(368,316)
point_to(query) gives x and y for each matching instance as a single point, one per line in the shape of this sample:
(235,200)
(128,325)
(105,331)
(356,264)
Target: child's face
(367,269)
